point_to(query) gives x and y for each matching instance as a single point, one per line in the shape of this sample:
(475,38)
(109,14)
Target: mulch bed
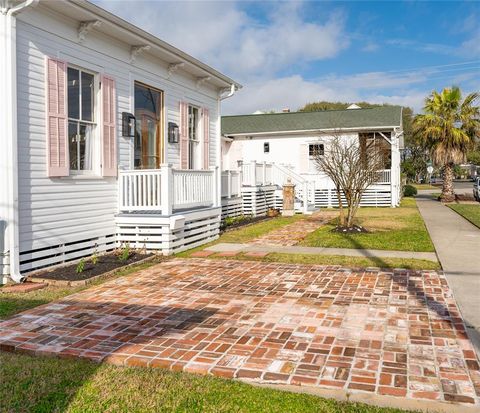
(355,229)
(464,197)
(106,264)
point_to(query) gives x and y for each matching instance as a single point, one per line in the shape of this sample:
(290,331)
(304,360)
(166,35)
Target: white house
(265,150)
(110,135)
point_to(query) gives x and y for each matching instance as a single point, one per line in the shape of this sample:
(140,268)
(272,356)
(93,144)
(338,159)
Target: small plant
(125,254)
(80,266)
(409,191)
(94,258)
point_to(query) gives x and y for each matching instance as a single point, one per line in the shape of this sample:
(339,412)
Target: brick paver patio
(391,333)
(292,234)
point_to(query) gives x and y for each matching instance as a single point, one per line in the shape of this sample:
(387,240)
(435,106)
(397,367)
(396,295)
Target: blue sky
(289,53)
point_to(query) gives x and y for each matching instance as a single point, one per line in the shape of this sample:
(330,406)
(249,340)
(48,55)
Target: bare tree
(352,168)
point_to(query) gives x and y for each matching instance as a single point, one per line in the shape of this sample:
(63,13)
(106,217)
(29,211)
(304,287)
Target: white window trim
(95,172)
(198,152)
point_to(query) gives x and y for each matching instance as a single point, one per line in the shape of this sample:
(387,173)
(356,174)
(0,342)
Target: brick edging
(80,283)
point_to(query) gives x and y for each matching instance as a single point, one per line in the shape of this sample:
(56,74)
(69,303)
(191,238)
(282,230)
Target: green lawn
(470,212)
(400,229)
(248,232)
(11,303)
(40,384)
(344,261)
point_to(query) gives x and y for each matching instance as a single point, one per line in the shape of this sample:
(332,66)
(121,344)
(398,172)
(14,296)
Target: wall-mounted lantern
(173,133)
(128,125)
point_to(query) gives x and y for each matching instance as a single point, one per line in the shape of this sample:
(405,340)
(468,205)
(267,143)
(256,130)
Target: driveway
(396,334)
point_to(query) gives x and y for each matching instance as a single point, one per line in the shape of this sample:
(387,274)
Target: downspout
(9,89)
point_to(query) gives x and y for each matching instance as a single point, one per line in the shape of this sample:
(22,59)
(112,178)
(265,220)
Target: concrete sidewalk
(224,247)
(457,243)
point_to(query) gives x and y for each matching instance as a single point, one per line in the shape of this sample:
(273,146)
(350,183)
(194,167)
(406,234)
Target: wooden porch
(168,209)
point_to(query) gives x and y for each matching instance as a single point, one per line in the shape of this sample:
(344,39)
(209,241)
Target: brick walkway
(391,333)
(292,234)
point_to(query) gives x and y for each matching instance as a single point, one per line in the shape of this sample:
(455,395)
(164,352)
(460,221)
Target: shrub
(94,258)
(80,266)
(125,254)
(409,190)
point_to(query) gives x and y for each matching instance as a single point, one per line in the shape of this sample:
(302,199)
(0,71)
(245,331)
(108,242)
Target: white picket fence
(166,189)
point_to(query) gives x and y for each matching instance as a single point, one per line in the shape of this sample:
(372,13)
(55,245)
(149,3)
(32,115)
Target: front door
(148,143)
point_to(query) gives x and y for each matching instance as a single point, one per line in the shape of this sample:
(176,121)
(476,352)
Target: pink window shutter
(183,135)
(206,138)
(56,114)
(109,138)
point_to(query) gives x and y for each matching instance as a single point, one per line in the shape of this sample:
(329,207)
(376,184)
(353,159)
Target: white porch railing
(384,176)
(254,173)
(140,190)
(166,189)
(231,184)
(192,189)
(258,174)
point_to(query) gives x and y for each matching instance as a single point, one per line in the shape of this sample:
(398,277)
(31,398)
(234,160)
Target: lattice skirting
(232,207)
(68,251)
(171,234)
(257,200)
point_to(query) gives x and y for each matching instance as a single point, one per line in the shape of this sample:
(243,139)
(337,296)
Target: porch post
(253,173)
(229,183)
(216,190)
(167,188)
(264,173)
(305,198)
(240,173)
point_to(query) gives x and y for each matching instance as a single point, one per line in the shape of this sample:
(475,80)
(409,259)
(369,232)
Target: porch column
(216,190)
(253,173)
(229,183)
(167,188)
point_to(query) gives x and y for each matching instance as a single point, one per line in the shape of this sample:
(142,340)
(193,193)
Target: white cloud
(226,37)
(370,47)
(255,51)
(294,91)
(471,47)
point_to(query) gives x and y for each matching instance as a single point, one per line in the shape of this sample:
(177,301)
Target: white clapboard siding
(54,213)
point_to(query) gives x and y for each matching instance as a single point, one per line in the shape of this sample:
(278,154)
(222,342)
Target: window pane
(85,147)
(192,122)
(316,150)
(87,96)
(81,147)
(72,145)
(73,93)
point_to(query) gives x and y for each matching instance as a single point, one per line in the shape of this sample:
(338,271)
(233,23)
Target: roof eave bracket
(85,27)
(135,51)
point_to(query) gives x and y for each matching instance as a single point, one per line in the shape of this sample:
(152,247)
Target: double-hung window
(193,137)
(316,149)
(81,119)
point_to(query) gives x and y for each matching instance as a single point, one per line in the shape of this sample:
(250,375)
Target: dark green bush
(409,190)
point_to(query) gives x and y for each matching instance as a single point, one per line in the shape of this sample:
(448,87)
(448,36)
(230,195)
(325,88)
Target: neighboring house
(109,136)
(265,150)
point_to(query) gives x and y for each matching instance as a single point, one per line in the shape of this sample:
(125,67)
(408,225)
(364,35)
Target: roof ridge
(313,111)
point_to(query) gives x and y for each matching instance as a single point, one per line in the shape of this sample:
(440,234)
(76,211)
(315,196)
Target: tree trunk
(448,195)
(341,217)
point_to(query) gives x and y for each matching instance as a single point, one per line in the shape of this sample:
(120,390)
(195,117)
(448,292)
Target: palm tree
(448,129)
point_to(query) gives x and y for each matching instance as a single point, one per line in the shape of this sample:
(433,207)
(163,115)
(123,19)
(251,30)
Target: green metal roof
(382,116)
